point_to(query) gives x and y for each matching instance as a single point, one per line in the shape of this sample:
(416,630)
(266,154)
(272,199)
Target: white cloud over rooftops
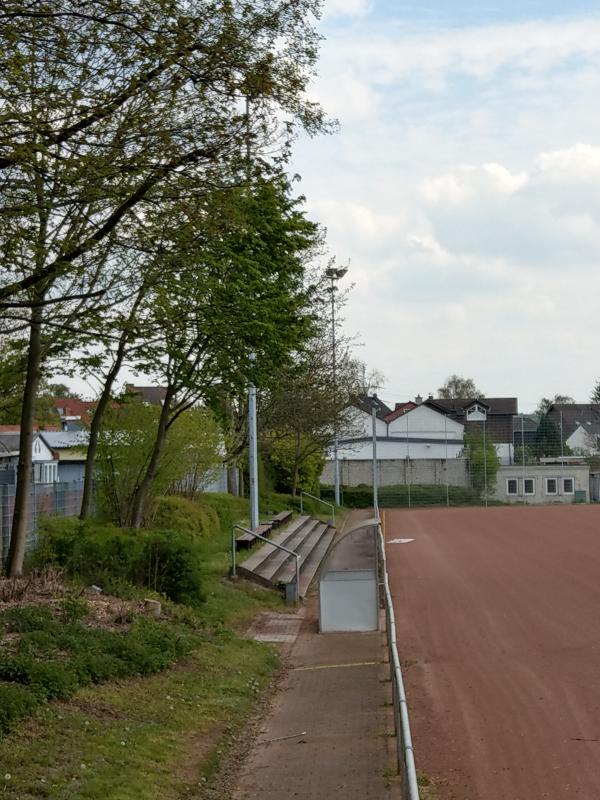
(464,186)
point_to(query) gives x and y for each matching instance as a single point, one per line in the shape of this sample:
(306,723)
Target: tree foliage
(116,113)
(546,403)
(126,444)
(457,387)
(483,461)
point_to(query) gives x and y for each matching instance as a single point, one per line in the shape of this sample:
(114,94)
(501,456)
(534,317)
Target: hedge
(420,495)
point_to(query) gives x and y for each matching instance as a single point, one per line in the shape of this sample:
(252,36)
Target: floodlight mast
(335,274)
(253,452)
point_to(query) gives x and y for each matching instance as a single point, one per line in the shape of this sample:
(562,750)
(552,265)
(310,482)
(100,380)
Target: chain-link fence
(527,459)
(61,499)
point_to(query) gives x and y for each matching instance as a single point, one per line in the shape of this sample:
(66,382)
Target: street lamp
(334,274)
(253,452)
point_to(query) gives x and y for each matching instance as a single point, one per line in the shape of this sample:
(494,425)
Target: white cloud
(464,187)
(347,8)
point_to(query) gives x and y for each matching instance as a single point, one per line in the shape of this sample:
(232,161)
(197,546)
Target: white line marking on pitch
(400,541)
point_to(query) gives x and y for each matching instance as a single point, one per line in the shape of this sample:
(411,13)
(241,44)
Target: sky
(463,188)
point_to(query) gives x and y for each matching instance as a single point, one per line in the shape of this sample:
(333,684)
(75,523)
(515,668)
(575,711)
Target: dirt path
(498,616)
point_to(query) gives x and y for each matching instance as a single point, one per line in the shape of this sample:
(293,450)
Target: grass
(142,738)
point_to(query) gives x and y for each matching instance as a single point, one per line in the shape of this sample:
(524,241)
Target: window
(45,473)
(568,486)
(512,486)
(551,486)
(529,486)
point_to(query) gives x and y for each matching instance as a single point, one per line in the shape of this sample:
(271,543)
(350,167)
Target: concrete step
(275,561)
(287,572)
(263,552)
(313,562)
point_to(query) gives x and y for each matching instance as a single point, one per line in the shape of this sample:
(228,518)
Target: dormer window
(476,411)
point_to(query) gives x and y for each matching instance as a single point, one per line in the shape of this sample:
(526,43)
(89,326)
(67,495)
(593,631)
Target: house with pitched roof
(493,414)
(578,425)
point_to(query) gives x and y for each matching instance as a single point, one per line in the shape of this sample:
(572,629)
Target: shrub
(229,509)
(48,679)
(186,516)
(16,702)
(166,561)
(27,618)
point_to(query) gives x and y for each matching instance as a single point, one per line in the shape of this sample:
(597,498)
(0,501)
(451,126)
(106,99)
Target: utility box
(348,585)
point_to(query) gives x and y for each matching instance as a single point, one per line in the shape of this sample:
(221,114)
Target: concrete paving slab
(330,730)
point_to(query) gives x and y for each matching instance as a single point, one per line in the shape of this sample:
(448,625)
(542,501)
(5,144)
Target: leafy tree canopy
(559,399)
(456,386)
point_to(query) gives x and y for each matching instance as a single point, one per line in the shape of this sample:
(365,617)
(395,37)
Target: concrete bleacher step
(287,572)
(270,566)
(275,561)
(313,562)
(260,554)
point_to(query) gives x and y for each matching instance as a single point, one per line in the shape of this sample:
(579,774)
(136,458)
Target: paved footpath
(329,733)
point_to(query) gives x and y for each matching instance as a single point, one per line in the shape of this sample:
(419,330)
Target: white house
(412,432)
(45,465)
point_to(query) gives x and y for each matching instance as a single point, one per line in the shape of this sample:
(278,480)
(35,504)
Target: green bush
(27,618)
(48,679)
(34,674)
(16,702)
(168,562)
(228,508)
(185,516)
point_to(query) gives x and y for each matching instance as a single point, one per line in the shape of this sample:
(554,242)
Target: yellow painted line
(338,666)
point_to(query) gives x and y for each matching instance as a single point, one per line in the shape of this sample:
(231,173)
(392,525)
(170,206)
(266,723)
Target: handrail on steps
(318,499)
(237,527)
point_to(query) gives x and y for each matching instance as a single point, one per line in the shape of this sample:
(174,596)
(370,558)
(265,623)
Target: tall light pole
(253,452)
(374,408)
(334,274)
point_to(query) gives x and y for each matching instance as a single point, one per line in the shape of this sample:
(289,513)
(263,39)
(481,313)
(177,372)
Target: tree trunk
(103,402)
(139,496)
(16,553)
(232,479)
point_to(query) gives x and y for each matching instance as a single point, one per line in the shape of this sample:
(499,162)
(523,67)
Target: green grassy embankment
(98,699)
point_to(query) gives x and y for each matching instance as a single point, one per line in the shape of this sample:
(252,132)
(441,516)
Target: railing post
(297,593)
(233,548)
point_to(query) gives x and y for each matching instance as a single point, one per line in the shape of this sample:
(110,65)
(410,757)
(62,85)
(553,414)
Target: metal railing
(318,499)
(404,746)
(237,527)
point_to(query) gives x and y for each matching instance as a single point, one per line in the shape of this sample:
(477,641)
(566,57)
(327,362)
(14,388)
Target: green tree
(241,291)
(483,461)
(110,110)
(300,415)
(190,453)
(547,439)
(457,387)
(546,403)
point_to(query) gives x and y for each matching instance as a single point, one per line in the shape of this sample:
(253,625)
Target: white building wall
(396,448)
(423,422)
(540,473)
(359,423)
(582,441)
